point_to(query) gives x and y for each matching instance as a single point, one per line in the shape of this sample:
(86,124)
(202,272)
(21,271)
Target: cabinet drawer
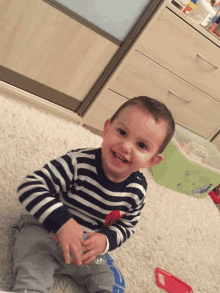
(141,76)
(174,44)
(104,108)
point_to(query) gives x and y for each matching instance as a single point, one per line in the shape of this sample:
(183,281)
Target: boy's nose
(126,146)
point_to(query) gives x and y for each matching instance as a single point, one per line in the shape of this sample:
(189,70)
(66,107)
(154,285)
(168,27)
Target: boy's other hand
(71,239)
(94,245)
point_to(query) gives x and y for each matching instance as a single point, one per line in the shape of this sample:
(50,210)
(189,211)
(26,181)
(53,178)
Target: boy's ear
(107,124)
(157,159)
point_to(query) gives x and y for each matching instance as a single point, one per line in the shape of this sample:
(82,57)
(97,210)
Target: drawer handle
(207,61)
(178,96)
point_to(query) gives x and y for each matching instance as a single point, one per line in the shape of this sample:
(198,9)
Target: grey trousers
(37,258)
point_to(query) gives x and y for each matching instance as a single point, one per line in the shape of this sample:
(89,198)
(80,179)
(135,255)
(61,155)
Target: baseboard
(93,130)
(5,87)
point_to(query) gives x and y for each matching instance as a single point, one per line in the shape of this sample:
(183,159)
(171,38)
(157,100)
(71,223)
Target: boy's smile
(130,143)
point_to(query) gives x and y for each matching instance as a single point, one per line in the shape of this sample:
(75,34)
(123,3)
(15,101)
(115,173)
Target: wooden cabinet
(142,76)
(175,62)
(45,45)
(105,109)
(175,45)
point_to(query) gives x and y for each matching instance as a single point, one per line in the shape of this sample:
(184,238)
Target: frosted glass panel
(116,17)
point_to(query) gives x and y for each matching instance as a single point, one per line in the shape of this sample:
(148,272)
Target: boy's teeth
(120,157)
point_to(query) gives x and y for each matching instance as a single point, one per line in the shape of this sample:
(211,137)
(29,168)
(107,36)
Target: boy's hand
(94,245)
(71,239)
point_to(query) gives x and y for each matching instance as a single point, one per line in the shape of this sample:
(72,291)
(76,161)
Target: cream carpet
(178,233)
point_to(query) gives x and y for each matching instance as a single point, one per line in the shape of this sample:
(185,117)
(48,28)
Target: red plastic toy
(170,283)
(215,197)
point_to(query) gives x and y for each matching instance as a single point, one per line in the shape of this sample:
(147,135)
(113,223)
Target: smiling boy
(130,143)
(97,194)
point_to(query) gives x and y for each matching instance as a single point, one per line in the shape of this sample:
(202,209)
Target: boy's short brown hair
(157,110)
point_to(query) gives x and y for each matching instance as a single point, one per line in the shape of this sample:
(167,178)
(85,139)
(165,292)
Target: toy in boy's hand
(170,283)
(112,217)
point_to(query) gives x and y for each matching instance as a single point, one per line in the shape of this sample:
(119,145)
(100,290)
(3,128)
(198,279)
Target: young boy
(96,194)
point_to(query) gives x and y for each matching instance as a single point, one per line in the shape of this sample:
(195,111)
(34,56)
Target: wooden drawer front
(174,44)
(106,106)
(141,76)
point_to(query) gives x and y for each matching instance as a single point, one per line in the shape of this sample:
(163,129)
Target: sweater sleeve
(122,229)
(39,192)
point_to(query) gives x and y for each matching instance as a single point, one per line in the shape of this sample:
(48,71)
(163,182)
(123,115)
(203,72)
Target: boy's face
(134,136)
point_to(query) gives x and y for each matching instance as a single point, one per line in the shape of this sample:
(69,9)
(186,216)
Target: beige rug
(177,233)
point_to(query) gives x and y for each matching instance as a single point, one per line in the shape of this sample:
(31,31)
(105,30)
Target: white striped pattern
(85,196)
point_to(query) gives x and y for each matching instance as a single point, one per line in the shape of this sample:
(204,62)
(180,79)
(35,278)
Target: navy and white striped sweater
(75,186)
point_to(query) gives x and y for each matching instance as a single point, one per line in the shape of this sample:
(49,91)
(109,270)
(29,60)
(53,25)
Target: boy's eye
(121,131)
(142,145)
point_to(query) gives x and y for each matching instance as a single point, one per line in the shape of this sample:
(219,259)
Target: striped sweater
(75,186)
